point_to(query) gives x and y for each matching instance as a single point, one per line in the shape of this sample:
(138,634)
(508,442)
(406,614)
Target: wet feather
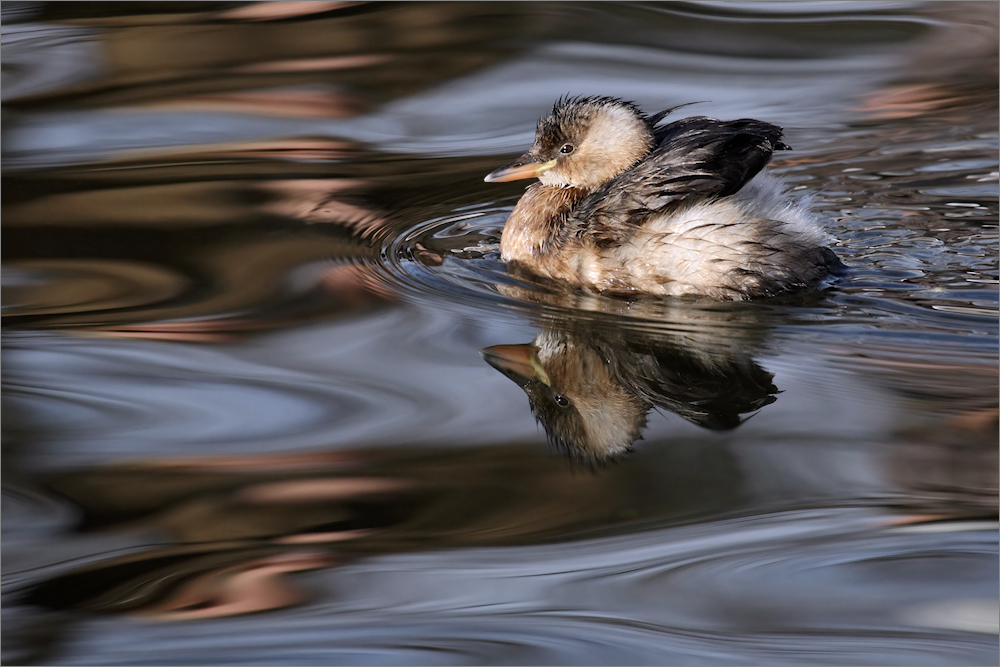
(625,204)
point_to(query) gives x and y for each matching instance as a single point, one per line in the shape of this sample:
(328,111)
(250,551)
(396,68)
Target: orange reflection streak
(899,102)
(203,331)
(274,102)
(311,200)
(283,462)
(275,11)
(318,489)
(354,286)
(257,585)
(311,64)
(289,149)
(322,538)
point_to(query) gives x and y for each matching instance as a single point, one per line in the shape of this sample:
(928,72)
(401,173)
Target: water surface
(249,264)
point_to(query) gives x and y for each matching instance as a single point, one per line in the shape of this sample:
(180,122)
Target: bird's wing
(695,158)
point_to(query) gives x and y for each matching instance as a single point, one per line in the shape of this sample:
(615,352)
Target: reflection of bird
(625,206)
(591,392)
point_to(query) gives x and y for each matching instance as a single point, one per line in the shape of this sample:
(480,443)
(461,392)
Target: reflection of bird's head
(584,411)
(582,143)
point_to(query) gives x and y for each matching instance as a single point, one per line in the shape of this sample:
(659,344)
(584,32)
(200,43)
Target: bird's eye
(562,401)
(566,149)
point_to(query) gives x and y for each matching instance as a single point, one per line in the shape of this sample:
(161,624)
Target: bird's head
(582,143)
(583,410)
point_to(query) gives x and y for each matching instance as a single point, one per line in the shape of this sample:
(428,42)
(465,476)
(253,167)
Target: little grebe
(625,206)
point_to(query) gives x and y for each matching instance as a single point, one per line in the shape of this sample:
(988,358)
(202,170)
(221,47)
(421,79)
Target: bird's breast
(535,232)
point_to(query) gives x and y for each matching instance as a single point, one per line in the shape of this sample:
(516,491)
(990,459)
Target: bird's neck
(537,229)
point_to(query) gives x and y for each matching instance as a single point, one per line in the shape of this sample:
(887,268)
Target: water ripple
(771,589)
(100,393)
(53,288)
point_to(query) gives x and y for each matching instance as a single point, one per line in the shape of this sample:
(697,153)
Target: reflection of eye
(567,148)
(562,401)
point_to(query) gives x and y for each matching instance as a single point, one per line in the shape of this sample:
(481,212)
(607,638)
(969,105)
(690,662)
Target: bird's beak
(526,166)
(518,362)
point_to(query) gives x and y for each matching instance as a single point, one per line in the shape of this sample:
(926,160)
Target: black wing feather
(695,158)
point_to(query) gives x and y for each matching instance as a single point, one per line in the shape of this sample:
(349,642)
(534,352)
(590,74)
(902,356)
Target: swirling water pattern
(250,264)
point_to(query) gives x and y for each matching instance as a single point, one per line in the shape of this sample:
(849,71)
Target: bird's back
(752,244)
(694,159)
(697,217)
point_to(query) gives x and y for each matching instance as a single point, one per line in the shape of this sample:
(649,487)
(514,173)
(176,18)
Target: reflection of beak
(526,166)
(518,362)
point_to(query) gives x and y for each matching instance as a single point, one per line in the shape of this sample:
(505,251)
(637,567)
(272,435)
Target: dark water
(249,263)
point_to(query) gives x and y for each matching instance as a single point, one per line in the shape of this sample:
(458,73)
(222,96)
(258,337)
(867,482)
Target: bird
(626,205)
(591,388)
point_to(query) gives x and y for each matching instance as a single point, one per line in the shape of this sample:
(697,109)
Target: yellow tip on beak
(518,362)
(523,167)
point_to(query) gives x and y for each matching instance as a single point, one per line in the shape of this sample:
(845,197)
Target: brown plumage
(591,387)
(625,206)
